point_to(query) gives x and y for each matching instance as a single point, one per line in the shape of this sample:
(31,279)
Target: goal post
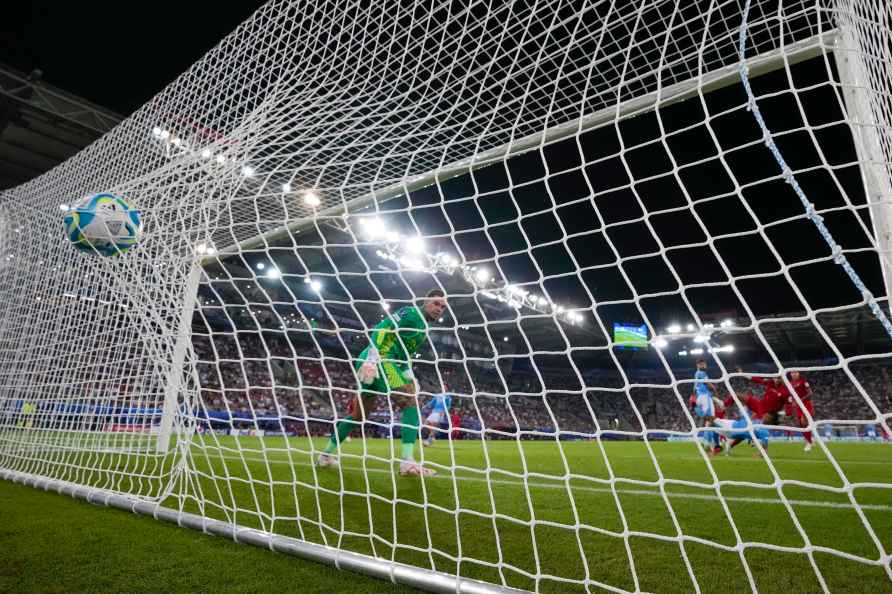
(868,117)
(634,227)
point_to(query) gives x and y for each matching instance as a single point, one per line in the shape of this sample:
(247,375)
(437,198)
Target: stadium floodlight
(385,305)
(726,323)
(482,275)
(286,187)
(156,131)
(690,327)
(220,159)
(248,171)
(696,351)
(682,353)
(316,286)
(411,263)
(661,343)
(312,199)
(504,339)
(372,227)
(206,153)
(415,245)
(260,266)
(700,339)
(673,329)
(164,135)
(274,273)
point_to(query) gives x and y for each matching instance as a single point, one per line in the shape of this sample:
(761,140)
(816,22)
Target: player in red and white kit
(803,391)
(773,400)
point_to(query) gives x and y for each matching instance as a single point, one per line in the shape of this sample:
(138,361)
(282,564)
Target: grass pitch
(531,514)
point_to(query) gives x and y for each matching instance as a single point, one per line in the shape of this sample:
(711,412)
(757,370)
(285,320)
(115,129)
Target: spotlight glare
(415,245)
(312,199)
(482,275)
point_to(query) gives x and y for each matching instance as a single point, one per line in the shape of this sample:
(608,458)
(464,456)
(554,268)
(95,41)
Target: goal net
(641,215)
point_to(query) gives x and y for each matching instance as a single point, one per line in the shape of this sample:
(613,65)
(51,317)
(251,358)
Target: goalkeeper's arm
(368,371)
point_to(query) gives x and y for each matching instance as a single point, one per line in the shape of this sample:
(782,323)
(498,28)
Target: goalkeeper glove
(368,371)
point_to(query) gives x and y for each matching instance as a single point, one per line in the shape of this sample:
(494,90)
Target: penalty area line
(588,489)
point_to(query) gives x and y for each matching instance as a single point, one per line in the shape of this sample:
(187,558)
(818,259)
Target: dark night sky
(116,55)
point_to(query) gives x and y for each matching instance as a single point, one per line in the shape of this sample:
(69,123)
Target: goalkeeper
(384,368)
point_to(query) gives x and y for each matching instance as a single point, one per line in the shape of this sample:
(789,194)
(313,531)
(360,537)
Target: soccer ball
(104,224)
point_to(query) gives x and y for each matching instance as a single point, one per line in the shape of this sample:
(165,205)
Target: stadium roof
(41,125)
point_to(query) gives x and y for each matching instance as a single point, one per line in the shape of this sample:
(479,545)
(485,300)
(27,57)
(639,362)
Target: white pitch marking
(622,491)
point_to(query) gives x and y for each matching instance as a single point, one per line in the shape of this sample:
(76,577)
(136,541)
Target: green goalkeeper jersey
(398,338)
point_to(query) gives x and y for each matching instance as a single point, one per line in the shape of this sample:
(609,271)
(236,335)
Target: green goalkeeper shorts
(392,375)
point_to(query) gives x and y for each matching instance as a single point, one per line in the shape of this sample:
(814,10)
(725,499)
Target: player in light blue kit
(704,407)
(736,432)
(439,413)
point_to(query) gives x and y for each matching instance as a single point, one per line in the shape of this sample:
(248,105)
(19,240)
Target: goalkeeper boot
(326,461)
(412,468)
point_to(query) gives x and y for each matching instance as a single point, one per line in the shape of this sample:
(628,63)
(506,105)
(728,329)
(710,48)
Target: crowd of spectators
(262,381)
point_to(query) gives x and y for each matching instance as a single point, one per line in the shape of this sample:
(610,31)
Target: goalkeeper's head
(434,304)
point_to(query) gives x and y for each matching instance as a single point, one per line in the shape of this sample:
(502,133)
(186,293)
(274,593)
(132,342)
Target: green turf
(509,510)
(51,543)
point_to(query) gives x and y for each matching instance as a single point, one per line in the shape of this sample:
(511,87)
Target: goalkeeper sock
(409,432)
(340,433)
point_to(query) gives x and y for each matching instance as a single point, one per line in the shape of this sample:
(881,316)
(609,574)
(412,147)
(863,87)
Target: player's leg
(427,431)
(405,395)
(706,411)
(341,431)
(803,422)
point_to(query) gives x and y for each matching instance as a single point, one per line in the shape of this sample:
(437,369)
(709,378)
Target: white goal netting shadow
(606,193)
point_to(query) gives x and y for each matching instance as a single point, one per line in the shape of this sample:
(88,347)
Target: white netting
(556,169)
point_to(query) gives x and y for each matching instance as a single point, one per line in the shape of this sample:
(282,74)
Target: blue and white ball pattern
(104,224)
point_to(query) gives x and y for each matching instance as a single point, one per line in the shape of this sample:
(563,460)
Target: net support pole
(872,156)
(174,384)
